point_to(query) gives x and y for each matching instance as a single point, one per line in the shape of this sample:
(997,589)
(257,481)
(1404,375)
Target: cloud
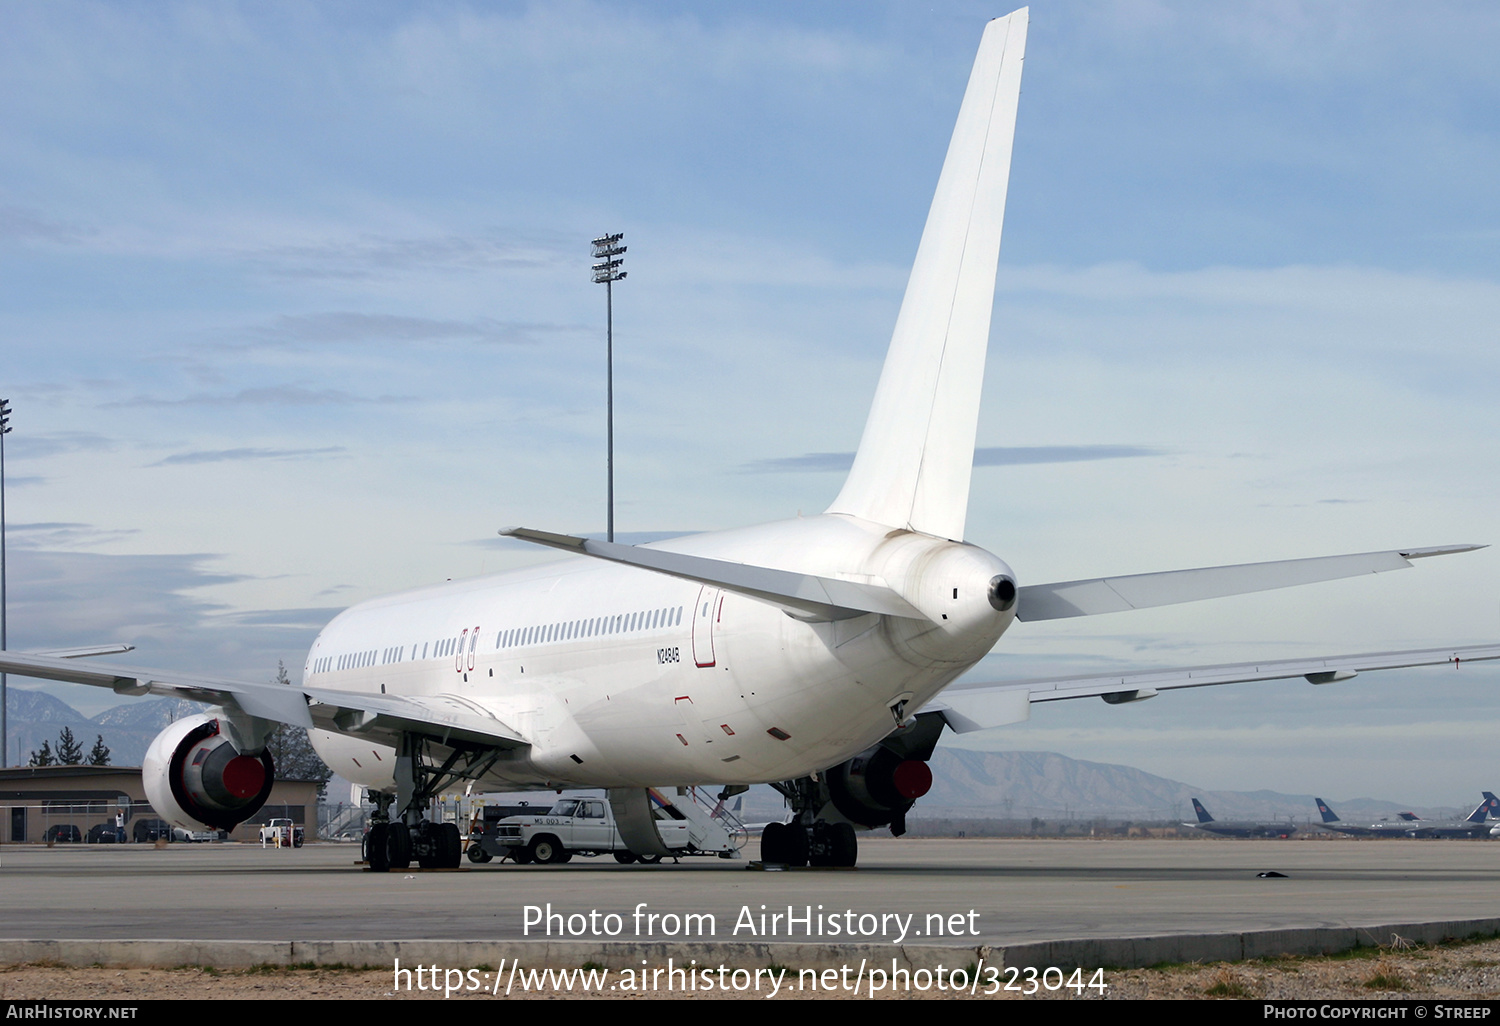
(340,326)
(153,601)
(34,447)
(23,225)
(310,618)
(233,455)
(49,534)
(991,456)
(278,395)
(370,256)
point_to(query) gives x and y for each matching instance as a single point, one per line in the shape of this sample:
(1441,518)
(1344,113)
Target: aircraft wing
(1142,591)
(979,706)
(823,598)
(377,717)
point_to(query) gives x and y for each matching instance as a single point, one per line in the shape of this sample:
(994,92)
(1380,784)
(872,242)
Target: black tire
(477,854)
(377,848)
(398,846)
(845,845)
(649,860)
(521,856)
(624,858)
(773,844)
(452,846)
(794,845)
(547,850)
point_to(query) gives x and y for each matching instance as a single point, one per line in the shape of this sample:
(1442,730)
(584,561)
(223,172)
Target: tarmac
(1023,902)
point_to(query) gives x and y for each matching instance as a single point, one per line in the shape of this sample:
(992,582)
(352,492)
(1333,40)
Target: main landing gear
(809,839)
(395,843)
(874,789)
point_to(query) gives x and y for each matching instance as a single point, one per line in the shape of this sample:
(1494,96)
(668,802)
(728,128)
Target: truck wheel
(624,858)
(521,856)
(547,850)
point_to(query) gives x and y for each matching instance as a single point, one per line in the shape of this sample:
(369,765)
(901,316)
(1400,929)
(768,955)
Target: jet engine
(193,775)
(879,785)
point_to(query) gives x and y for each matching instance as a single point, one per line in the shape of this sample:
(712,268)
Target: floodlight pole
(607,250)
(4,695)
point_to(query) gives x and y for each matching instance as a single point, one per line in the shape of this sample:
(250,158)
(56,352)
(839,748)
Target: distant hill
(1022,785)
(128,730)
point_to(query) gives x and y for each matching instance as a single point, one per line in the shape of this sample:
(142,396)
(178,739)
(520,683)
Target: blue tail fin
(1203,816)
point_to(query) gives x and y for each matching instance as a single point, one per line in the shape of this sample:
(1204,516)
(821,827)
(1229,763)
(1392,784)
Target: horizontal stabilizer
(1142,591)
(822,598)
(980,706)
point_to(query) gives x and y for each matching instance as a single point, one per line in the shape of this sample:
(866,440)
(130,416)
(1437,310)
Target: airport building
(107,804)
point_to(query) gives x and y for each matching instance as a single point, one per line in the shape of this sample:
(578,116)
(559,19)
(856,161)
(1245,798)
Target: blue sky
(295,310)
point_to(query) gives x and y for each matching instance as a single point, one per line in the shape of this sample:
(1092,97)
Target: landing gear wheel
(843,846)
(451,845)
(624,858)
(796,845)
(773,844)
(478,854)
(547,850)
(376,852)
(397,846)
(784,844)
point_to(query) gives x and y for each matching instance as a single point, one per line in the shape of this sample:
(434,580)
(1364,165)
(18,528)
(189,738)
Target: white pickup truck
(281,833)
(586,826)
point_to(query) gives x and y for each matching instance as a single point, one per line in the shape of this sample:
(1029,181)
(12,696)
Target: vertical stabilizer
(917,453)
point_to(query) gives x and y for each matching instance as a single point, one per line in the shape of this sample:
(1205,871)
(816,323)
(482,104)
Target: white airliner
(812,654)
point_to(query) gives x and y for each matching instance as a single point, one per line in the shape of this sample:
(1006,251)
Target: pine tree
(290,750)
(43,756)
(69,751)
(99,754)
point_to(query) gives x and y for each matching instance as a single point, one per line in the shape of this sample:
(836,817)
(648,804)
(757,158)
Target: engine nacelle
(193,776)
(877,787)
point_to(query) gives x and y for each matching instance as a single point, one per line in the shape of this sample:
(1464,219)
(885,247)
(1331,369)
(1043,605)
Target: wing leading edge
(981,706)
(381,718)
(1142,591)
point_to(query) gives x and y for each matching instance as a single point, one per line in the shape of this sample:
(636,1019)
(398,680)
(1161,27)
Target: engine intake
(193,774)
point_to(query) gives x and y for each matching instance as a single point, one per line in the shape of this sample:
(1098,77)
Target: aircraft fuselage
(621,677)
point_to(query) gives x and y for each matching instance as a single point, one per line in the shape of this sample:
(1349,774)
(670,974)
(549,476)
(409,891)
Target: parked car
(146,831)
(63,833)
(103,833)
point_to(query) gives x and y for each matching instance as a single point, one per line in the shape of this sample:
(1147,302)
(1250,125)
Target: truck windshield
(566,807)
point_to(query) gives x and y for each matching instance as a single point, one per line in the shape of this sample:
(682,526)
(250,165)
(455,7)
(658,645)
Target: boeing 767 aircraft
(814,654)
